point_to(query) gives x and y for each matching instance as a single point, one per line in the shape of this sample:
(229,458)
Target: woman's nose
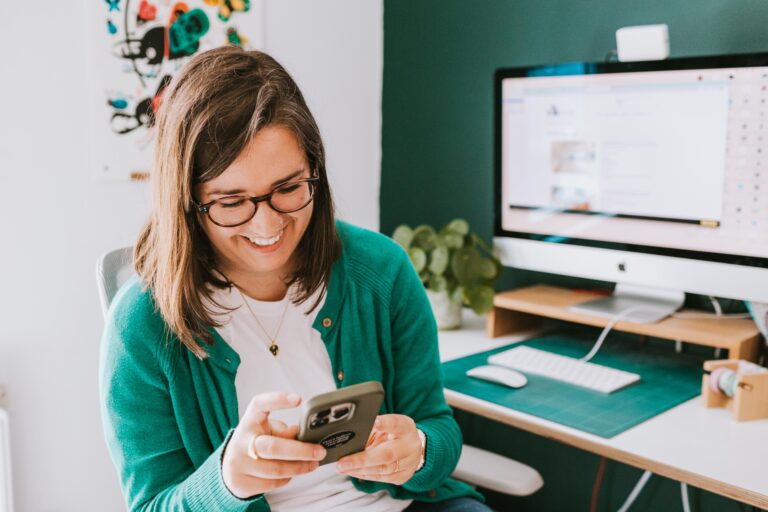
(266,221)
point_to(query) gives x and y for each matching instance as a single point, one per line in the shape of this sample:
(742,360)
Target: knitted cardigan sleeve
(139,420)
(419,382)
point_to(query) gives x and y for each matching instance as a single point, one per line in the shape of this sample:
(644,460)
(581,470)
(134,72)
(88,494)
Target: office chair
(476,467)
(112,270)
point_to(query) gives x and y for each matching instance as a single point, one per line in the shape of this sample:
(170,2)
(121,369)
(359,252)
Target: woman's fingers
(394,424)
(392,454)
(397,472)
(256,414)
(289,433)
(279,448)
(376,438)
(384,453)
(263,454)
(383,446)
(277,426)
(385,469)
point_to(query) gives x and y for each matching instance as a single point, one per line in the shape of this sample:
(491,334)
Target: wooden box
(750,400)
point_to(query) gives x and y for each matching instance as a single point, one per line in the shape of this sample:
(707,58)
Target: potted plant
(456,266)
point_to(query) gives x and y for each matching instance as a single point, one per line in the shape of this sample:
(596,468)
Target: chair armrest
(497,473)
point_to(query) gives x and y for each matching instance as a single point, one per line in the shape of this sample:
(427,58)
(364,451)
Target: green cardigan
(168,415)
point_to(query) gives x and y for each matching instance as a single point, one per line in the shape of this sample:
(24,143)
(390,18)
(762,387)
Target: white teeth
(263,242)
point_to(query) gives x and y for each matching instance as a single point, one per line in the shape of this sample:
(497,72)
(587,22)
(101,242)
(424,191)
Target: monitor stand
(642,305)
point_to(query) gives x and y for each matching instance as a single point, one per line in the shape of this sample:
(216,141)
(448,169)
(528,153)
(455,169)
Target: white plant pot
(447,312)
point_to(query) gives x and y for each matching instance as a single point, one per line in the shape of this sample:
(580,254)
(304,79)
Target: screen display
(654,160)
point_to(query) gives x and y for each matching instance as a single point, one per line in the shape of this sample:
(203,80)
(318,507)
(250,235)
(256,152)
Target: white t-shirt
(302,366)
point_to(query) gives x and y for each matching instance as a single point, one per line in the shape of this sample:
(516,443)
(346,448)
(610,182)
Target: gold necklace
(273,345)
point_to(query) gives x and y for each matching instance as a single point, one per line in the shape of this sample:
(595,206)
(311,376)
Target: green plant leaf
(425,237)
(403,235)
(418,258)
(479,242)
(451,239)
(438,260)
(480,299)
(437,283)
(465,266)
(455,260)
(459,226)
(487,268)
(499,267)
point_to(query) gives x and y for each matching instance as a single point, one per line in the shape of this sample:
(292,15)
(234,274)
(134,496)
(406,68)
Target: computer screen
(656,164)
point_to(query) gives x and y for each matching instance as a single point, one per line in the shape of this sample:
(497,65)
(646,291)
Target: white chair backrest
(112,270)
(6,495)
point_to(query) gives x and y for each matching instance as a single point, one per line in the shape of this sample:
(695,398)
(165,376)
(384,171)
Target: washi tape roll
(714,377)
(727,382)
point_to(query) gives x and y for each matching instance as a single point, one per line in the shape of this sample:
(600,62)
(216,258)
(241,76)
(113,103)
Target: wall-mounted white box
(642,42)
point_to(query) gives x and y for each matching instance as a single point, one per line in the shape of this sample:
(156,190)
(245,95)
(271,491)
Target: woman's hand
(263,454)
(392,454)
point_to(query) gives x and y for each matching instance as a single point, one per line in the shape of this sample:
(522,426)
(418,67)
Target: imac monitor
(652,175)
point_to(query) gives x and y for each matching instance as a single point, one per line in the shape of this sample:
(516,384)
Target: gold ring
(252,447)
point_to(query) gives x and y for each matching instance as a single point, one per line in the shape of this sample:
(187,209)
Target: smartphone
(341,420)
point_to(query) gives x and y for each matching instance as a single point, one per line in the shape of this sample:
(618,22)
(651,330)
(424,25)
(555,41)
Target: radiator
(6,497)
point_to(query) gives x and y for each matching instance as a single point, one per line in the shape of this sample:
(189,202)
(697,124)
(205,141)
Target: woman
(250,298)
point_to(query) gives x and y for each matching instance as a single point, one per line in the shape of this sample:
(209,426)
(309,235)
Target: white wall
(55,221)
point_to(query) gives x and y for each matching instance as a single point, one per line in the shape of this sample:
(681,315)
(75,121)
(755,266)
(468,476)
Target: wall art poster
(138,46)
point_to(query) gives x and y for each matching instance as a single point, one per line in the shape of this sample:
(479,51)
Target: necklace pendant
(274,349)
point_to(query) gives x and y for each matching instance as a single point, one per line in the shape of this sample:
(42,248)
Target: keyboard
(565,369)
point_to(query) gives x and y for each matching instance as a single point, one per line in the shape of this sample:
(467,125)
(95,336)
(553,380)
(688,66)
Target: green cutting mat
(666,380)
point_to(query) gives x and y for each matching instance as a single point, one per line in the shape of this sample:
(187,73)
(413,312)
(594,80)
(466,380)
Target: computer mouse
(499,375)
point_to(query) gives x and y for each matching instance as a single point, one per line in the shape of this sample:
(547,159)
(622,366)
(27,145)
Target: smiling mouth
(266,242)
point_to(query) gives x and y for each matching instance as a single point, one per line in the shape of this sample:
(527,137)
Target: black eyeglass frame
(206,208)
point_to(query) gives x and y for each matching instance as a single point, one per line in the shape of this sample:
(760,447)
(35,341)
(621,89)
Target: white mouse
(499,375)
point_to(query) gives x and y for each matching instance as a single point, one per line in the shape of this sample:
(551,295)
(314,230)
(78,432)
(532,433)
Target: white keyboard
(566,369)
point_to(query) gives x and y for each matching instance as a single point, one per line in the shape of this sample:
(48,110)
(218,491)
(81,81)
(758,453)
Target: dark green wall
(439,59)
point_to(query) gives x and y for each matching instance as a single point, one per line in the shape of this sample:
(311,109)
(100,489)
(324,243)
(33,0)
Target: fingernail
(377,423)
(319,453)
(293,397)
(343,466)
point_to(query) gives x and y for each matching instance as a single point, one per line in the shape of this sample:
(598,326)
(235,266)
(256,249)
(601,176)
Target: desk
(689,443)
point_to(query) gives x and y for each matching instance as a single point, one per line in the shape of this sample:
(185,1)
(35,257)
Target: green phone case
(341,420)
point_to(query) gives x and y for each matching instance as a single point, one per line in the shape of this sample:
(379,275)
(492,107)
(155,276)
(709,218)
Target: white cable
(716,305)
(684,493)
(717,314)
(613,321)
(636,491)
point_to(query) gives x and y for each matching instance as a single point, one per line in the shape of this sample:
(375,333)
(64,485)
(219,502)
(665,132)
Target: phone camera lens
(340,413)
(323,413)
(318,422)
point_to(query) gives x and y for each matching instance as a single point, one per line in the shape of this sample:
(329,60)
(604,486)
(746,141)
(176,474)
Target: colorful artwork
(138,46)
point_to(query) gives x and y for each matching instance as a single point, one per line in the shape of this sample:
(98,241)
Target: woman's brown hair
(210,111)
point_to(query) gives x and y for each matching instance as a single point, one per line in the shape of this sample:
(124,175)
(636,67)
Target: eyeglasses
(232,211)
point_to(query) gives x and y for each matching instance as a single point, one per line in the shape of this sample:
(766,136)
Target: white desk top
(689,443)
